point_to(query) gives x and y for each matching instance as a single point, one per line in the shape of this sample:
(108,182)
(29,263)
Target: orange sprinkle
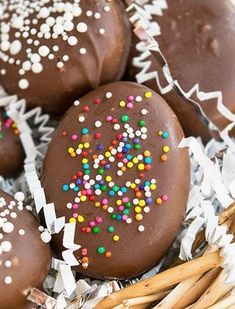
(163,157)
(108,254)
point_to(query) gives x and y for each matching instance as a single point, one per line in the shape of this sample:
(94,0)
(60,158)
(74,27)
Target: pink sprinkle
(130,98)
(129,105)
(104,201)
(119,136)
(75,216)
(75,206)
(164,198)
(109,118)
(92,223)
(125,200)
(88,192)
(121,208)
(124,217)
(74,137)
(125,160)
(99,219)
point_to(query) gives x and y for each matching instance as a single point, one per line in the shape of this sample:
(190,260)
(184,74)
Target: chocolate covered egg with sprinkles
(11,150)
(53,51)
(114,170)
(24,257)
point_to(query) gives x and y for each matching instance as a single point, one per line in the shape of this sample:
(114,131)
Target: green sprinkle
(113,216)
(115,188)
(111,229)
(128,205)
(126,211)
(96,230)
(101,250)
(137,146)
(125,118)
(101,171)
(141,123)
(1,135)
(103,188)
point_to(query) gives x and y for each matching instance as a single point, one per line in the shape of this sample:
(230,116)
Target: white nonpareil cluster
(33,30)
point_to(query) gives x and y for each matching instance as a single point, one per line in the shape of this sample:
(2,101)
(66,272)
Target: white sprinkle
(144,112)
(58,29)
(8,280)
(141,228)
(128,221)
(15,47)
(60,65)
(138,99)
(41,228)
(107,8)
(81,118)
(97,15)
(76,103)
(101,31)
(82,51)
(5,45)
(109,95)
(8,264)
(45,28)
(82,27)
(98,124)
(68,26)
(110,210)
(77,11)
(50,21)
(21,232)
(119,173)
(8,227)
(146,209)
(46,237)
(72,40)
(6,246)
(43,51)
(19,196)
(44,12)
(37,68)
(89,13)
(35,58)
(23,84)
(17,22)
(116,126)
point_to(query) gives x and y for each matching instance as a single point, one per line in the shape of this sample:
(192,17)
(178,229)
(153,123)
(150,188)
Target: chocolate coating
(119,123)
(11,150)
(91,49)
(198,41)
(27,262)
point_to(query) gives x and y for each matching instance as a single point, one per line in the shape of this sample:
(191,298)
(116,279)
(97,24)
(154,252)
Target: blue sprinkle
(111,193)
(165,134)
(128,146)
(99,147)
(85,131)
(86,166)
(119,217)
(76,189)
(107,166)
(136,141)
(124,189)
(124,150)
(129,157)
(148,160)
(147,183)
(78,182)
(65,188)
(148,200)
(97,186)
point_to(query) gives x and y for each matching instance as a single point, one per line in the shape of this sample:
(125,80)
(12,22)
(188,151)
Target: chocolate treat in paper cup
(51,52)
(114,170)
(24,258)
(196,40)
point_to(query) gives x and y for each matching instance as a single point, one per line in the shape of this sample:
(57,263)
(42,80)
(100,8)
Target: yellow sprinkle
(80,146)
(159,201)
(148,94)
(84,161)
(86,145)
(133,185)
(70,150)
(116,238)
(130,164)
(141,166)
(108,178)
(72,220)
(160,133)
(73,154)
(119,202)
(138,217)
(107,154)
(97,204)
(135,160)
(122,103)
(153,186)
(138,209)
(166,148)
(81,219)
(142,203)
(83,198)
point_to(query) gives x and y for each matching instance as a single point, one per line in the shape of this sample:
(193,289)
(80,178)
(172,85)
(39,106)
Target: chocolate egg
(24,258)
(197,40)
(114,170)
(53,51)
